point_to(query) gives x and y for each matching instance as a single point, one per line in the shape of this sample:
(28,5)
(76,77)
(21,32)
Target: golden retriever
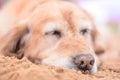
(51,32)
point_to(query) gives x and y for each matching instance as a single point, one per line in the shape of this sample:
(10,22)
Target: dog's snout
(84,62)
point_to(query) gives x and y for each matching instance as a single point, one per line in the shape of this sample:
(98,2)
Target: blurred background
(106,14)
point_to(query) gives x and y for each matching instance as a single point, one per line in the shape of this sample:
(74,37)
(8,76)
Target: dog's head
(55,33)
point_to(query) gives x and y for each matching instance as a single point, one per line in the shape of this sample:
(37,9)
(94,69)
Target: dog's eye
(84,31)
(54,33)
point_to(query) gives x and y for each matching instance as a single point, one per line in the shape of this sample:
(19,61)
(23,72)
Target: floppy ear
(98,41)
(13,43)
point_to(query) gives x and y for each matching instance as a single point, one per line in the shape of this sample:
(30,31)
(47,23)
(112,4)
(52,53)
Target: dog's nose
(84,62)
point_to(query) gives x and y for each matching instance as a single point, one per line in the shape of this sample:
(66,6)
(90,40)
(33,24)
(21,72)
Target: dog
(50,32)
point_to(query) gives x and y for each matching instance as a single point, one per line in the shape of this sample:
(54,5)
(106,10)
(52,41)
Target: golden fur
(28,29)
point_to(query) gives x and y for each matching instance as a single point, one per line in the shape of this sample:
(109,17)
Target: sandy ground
(14,69)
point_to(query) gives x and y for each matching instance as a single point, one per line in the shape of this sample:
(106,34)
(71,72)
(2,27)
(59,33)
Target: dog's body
(49,32)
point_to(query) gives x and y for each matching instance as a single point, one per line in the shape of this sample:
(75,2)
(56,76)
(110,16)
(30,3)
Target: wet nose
(84,62)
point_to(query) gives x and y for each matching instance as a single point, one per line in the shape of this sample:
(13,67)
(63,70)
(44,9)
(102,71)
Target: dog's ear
(98,41)
(13,43)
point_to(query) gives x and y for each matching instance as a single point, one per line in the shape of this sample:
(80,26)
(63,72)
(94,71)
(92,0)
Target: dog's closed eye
(55,33)
(84,31)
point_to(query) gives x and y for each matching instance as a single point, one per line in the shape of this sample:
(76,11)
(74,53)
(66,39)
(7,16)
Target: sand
(14,69)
